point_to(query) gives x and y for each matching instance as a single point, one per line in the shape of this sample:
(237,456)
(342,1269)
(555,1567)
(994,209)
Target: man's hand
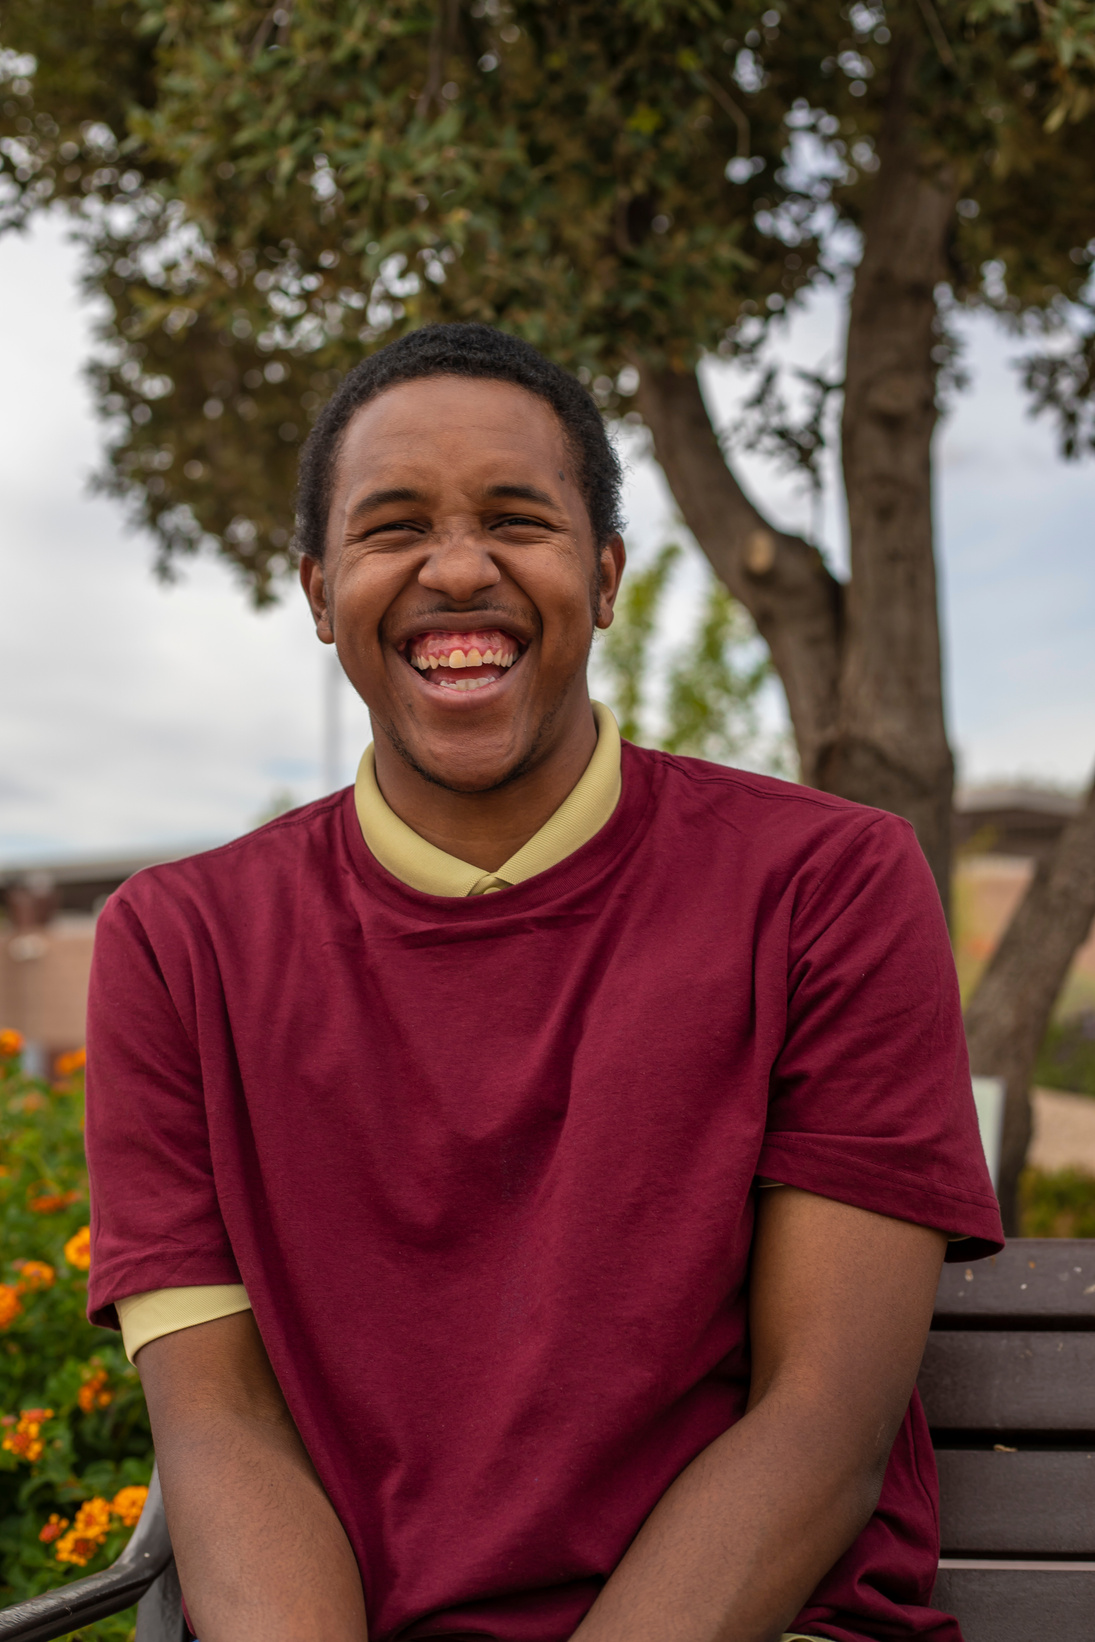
(840,1306)
(261,1555)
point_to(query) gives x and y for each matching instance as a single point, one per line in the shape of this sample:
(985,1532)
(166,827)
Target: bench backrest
(1008,1384)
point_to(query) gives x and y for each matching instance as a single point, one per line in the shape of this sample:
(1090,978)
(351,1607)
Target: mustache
(487,613)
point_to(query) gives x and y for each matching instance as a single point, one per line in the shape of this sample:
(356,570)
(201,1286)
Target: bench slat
(1034,1277)
(1028,1503)
(1023,1380)
(1019,1605)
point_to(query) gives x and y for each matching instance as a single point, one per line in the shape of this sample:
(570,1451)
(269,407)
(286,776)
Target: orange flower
(128,1503)
(74,1061)
(11,1042)
(93,1517)
(53,1529)
(78,1249)
(87,1533)
(26,1441)
(9,1304)
(91,1394)
(51,1202)
(33,1275)
(76,1548)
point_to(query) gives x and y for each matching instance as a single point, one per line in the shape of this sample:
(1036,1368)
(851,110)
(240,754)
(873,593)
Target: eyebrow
(381,498)
(523,493)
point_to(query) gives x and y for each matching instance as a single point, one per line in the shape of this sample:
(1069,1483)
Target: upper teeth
(457,658)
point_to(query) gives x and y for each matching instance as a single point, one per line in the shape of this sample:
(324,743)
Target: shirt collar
(424,867)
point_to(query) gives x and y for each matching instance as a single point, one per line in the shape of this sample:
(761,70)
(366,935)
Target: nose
(460,565)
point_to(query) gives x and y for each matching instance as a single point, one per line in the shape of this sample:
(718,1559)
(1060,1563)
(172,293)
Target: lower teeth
(464,683)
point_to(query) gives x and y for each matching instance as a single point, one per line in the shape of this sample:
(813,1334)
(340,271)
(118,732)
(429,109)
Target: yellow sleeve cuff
(145,1317)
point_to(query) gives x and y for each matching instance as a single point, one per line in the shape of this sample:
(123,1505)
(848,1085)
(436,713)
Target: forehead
(452,426)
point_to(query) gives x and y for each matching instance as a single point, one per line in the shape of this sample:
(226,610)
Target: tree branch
(442,44)
(729,106)
(939,38)
(780,579)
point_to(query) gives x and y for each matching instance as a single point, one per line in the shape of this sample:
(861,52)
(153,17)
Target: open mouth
(462,661)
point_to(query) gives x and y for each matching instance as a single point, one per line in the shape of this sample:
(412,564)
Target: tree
(264,191)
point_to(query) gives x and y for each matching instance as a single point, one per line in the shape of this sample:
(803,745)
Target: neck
(487,828)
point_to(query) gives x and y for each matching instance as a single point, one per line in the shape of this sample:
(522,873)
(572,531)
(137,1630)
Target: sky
(138,716)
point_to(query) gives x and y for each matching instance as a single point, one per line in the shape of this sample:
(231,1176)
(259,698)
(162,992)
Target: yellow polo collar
(424,867)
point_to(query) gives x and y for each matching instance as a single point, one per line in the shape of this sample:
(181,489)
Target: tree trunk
(861,663)
(1007,1016)
(779,578)
(891,747)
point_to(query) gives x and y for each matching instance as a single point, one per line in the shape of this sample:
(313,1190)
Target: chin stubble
(522,766)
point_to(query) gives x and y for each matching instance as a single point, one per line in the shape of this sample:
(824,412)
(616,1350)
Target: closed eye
(522,519)
(417,527)
(393,525)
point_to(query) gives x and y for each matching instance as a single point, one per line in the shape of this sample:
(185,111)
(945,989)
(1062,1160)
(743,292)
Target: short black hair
(460,350)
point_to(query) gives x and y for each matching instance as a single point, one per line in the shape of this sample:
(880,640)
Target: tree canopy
(265,191)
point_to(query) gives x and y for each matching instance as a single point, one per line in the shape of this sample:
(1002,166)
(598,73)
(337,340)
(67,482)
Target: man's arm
(262,1556)
(840,1306)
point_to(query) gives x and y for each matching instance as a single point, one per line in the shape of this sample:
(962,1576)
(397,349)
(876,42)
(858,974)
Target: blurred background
(161,687)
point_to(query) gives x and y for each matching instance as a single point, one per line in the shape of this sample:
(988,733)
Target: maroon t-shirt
(486,1166)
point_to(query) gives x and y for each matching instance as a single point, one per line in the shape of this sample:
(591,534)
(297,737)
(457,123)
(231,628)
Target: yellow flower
(128,1504)
(26,1441)
(34,1274)
(9,1304)
(74,1061)
(78,1249)
(53,1529)
(11,1042)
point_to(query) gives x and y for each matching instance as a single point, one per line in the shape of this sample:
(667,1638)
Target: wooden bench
(1008,1382)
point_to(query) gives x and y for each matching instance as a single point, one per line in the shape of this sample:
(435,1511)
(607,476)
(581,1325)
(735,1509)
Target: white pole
(332,726)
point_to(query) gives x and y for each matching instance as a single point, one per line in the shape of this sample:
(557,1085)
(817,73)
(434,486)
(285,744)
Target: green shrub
(1061,1204)
(1067,1057)
(75,1446)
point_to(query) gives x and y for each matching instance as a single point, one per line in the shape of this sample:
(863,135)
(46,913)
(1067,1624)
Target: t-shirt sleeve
(155,1219)
(147,1317)
(870,1099)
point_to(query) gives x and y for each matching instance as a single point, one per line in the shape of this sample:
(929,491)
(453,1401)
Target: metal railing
(144,1573)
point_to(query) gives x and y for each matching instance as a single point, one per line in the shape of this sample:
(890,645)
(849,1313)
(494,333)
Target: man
(523,1180)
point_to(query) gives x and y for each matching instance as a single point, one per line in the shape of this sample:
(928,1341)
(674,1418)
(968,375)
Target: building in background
(1001,834)
(1011,821)
(46,935)
(49,912)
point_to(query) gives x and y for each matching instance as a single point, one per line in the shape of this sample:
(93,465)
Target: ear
(314,584)
(613,557)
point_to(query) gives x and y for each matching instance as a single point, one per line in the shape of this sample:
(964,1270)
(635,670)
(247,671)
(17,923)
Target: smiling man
(522,1180)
